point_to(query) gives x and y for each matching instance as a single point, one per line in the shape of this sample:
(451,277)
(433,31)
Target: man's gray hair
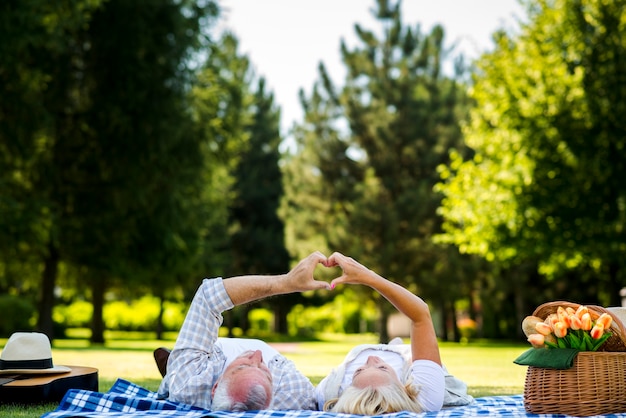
(256,400)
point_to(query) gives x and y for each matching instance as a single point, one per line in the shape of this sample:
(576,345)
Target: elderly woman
(382,378)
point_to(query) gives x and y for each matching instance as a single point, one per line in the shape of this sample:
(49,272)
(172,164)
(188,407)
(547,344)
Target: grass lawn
(486,367)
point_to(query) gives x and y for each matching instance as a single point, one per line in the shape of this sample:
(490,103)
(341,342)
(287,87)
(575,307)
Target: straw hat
(28,353)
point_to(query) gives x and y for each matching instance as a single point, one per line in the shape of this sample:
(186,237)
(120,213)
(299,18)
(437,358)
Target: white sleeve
(429,379)
(319,394)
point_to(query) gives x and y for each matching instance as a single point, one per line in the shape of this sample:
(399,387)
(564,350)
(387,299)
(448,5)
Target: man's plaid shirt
(197,360)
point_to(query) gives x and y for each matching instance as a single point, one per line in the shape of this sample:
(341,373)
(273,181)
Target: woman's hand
(353,272)
(424,343)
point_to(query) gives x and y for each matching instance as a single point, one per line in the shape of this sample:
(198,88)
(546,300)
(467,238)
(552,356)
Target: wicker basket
(595,385)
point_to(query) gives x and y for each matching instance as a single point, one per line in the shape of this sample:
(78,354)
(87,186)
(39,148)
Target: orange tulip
(597,331)
(543,328)
(581,311)
(570,311)
(560,329)
(561,313)
(551,320)
(575,323)
(586,322)
(536,340)
(606,320)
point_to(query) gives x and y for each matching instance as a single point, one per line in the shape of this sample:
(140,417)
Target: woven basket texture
(595,385)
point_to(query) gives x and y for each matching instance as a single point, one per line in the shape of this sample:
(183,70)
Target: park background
(141,152)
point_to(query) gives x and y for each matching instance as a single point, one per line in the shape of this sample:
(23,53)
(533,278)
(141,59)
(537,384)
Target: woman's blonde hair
(376,400)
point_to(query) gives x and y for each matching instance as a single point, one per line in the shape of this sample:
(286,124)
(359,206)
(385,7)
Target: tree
(108,144)
(544,186)
(147,160)
(36,39)
(243,133)
(258,241)
(373,148)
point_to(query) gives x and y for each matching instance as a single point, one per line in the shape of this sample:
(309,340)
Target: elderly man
(237,374)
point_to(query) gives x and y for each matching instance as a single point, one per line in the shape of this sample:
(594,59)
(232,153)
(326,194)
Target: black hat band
(26,364)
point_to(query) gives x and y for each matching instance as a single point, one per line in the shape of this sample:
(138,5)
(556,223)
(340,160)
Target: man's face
(375,372)
(245,371)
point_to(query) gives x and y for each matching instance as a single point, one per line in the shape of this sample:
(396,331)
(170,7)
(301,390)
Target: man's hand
(300,278)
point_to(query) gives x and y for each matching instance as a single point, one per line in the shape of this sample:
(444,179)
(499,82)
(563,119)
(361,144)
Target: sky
(286,39)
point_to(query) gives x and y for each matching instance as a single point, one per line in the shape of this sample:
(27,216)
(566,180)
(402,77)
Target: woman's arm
(424,343)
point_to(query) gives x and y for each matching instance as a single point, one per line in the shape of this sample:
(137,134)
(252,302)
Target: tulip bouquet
(568,328)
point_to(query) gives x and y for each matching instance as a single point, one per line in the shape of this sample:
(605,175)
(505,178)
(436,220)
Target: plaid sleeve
(194,365)
(292,390)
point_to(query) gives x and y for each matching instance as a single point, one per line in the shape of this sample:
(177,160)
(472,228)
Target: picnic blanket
(126,399)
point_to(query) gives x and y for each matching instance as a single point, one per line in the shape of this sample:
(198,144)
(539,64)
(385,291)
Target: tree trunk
(228,322)
(445,331)
(45,324)
(453,324)
(159,323)
(383,332)
(244,322)
(97,325)
(280,319)
(615,287)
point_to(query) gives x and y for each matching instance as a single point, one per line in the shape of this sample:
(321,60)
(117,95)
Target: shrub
(138,315)
(261,320)
(346,313)
(173,315)
(16,314)
(75,315)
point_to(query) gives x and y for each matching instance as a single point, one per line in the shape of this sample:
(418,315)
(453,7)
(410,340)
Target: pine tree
(258,243)
(374,147)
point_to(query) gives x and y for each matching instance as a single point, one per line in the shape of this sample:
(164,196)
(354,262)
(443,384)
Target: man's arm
(248,288)
(193,366)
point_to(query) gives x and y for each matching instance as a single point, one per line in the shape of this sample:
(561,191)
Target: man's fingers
(323,285)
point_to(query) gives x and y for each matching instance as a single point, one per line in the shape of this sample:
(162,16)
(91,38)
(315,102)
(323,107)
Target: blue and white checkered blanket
(125,399)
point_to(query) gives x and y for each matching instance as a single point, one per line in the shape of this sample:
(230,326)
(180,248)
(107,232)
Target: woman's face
(375,372)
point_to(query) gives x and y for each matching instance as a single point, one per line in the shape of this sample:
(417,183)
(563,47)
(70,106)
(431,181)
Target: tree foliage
(545,185)
(108,159)
(369,153)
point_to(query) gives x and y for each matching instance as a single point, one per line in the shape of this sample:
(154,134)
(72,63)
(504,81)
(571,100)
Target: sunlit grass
(486,367)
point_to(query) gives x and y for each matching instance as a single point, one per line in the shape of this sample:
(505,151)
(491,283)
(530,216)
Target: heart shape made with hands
(325,270)
(324,267)
(311,263)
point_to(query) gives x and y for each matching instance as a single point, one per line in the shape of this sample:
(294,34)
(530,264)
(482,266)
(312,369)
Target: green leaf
(598,343)
(551,345)
(575,342)
(588,343)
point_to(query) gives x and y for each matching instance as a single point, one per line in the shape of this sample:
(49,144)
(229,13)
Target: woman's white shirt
(427,376)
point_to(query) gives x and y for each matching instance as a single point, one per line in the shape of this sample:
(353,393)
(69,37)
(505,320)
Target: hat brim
(53,370)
